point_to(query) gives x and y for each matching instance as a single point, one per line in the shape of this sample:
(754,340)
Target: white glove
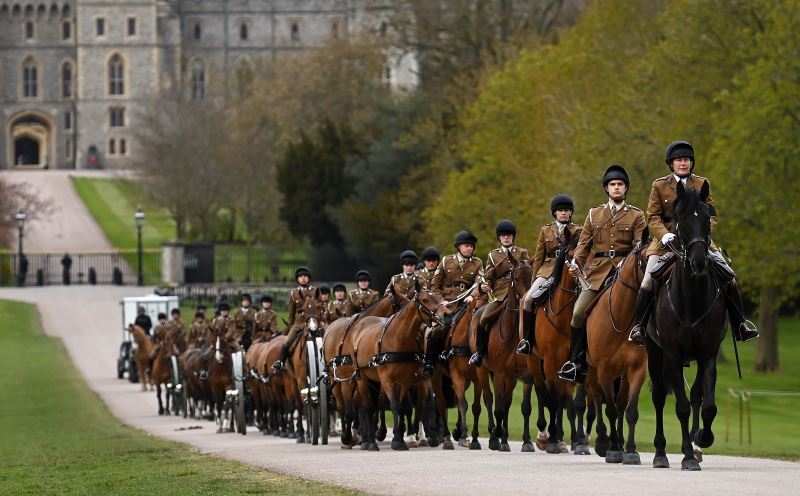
(667,238)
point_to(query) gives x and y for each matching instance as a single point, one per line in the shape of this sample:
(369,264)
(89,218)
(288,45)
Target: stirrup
(524,347)
(570,372)
(636,337)
(747,332)
(428,369)
(476,359)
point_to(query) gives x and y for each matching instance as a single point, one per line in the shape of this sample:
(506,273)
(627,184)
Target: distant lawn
(59,438)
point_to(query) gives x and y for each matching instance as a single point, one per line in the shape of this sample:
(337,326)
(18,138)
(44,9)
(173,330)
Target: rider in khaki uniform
(430,260)
(325,299)
(199,331)
(406,282)
(551,237)
(178,330)
(296,322)
(497,280)
(362,297)
(457,273)
(266,321)
(679,157)
(222,326)
(245,317)
(160,332)
(611,230)
(338,307)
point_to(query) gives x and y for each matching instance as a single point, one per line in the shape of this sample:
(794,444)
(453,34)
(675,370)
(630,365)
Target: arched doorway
(31,136)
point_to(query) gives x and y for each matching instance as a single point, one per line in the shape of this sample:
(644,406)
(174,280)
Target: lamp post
(139,216)
(20,261)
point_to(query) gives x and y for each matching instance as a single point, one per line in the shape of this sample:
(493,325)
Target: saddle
(493,315)
(664,266)
(540,295)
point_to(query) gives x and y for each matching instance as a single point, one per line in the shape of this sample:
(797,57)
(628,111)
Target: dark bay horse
(690,324)
(620,368)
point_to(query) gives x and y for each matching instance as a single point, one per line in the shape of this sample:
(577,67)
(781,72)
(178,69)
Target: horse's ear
(417,287)
(705,190)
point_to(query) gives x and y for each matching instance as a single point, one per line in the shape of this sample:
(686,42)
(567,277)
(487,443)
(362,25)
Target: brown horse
(220,379)
(281,391)
(620,367)
(501,357)
(256,382)
(142,349)
(552,346)
(193,360)
(388,355)
(161,372)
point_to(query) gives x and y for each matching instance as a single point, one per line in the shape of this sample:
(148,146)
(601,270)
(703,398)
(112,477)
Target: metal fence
(257,264)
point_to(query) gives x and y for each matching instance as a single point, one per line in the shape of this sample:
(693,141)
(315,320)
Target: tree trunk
(767,354)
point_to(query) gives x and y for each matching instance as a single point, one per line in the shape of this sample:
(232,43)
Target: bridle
(633,287)
(422,310)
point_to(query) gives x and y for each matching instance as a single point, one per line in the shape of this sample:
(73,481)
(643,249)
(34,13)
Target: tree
(16,197)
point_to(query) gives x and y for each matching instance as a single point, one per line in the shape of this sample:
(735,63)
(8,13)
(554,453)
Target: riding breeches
(527,301)
(579,311)
(652,260)
(488,309)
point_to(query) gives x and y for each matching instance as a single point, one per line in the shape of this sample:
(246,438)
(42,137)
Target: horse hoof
(463,443)
(527,447)
(553,449)
(346,446)
(704,438)
(411,444)
(381,434)
(660,462)
(505,447)
(266,432)
(494,444)
(474,445)
(581,449)
(613,456)
(698,453)
(161,411)
(399,445)
(433,442)
(562,446)
(631,459)
(281,434)
(423,443)
(220,430)
(541,441)
(301,439)
(690,464)
(448,445)
(291,435)
(373,447)
(364,446)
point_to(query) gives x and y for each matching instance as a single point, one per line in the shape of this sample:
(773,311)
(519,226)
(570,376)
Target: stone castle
(74,74)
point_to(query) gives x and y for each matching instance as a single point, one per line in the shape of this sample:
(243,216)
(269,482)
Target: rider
(457,273)
(336,308)
(244,318)
(162,329)
(430,260)
(680,159)
(612,230)
(361,297)
(296,298)
(405,283)
(498,281)
(177,329)
(266,321)
(199,331)
(143,320)
(222,326)
(551,236)
(324,299)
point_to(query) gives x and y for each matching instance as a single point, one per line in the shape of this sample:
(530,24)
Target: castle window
(66,30)
(198,80)
(30,79)
(100,27)
(29,30)
(112,147)
(66,80)
(243,31)
(131,26)
(68,149)
(122,147)
(116,76)
(197,32)
(295,32)
(116,116)
(67,120)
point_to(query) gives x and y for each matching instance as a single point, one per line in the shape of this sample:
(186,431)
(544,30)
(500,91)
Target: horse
(161,371)
(551,349)
(256,383)
(620,368)
(388,356)
(142,349)
(501,357)
(220,379)
(194,360)
(281,393)
(690,323)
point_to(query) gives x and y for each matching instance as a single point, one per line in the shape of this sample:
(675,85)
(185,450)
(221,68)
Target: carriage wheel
(133,371)
(120,368)
(325,421)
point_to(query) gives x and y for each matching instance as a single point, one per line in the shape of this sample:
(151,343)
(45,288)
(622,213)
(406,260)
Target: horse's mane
(571,244)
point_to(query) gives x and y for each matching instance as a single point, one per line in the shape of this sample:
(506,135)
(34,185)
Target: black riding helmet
(302,271)
(223,306)
(363,275)
(561,201)
(162,316)
(324,289)
(431,253)
(465,237)
(505,226)
(339,287)
(246,296)
(679,149)
(266,299)
(616,171)
(408,257)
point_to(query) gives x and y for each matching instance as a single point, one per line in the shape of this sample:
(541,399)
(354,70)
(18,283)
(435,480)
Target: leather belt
(611,253)
(459,286)
(553,254)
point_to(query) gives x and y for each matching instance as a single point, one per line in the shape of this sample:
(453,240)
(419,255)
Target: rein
(634,287)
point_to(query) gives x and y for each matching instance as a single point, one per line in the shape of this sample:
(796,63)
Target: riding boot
(431,355)
(278,366)
(641,316)
(528,317)
(575,369)
(481,343)
(743,329)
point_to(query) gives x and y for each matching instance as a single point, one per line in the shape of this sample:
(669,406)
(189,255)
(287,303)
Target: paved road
(88,320)
(71,227)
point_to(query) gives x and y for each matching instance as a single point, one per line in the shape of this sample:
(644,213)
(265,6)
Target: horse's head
(312,311)
(693,226)
(521,276)
(431,309)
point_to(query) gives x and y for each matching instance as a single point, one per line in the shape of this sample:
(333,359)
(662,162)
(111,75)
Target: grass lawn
(775,419)
(60,439)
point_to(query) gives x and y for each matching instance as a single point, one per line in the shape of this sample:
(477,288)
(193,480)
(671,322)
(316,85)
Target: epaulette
(634,207)
(665,178)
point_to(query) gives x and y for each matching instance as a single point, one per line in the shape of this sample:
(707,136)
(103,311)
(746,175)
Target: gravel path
(88,321)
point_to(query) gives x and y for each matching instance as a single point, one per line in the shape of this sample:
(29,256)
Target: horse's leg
(601,444)
(392,392)
(705,436)
(609,386)
(579,441)
(499,409)
(158,395)
(696,400)
(553,427)
(488,402)
(380,434)
(460,388)
(508,394)
(525,407)
(568,404)
(635,382)
(541,420)
(444,425)
(683,410)
(655,365)
(476,413)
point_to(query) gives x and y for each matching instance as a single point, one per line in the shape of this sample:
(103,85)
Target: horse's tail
(449,392)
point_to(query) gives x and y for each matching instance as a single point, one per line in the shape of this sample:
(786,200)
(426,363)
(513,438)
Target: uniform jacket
(224,327)
(178,331)
(659,208)
(426,276)
(199,333)
(451,279)
(337,309)
(601,233)
(244,318)
(161,331)
(265,325)
(358,300)
(544,259)
(405,285)
(498,269)
(296,299)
